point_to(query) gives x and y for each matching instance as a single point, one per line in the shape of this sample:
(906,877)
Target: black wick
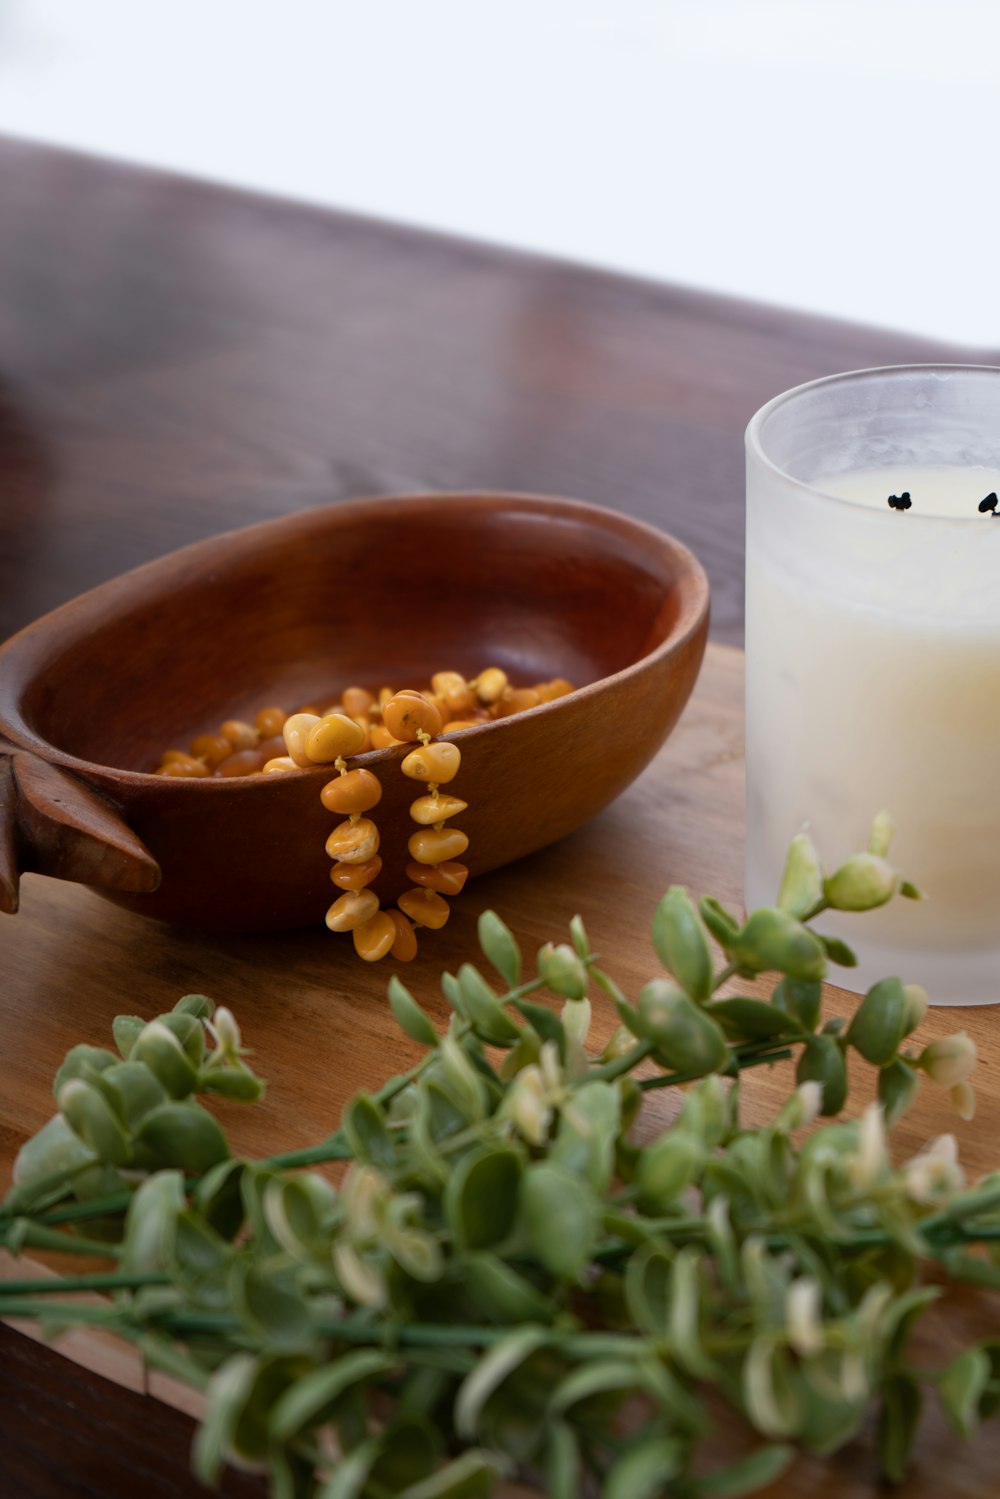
(989,504)
(903,501)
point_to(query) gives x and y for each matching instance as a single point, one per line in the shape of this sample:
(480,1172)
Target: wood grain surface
(175,360)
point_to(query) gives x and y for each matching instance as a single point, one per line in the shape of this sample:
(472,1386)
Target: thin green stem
(618,1066)
(40,1236)
(110,1280)
(674,1079)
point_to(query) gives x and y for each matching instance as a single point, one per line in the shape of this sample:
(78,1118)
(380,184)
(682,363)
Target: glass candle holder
(873,657)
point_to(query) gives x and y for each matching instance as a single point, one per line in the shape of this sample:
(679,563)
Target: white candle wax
(873,680)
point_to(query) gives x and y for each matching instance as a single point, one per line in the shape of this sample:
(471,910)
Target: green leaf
(452,991)
(198,1006)
(151,1223)
(502,1292)
(82,1062)
(684,1314)
(588,1131)
(880,1022)
(560,970)
(484,1011)
(899,1419)
(685,1036)
(269,1308)
(348,1479)
(42,1163)
(494,1367)
(411,1450)
(560,1216)
(497,942)
(648,1287)
(802,881)
(310,1400)
(962,1387)
(751,1019)
(185,1135)
(164,1055)
(761,1468)
(481,1197)
(228,1392)
(409,1016)
(547,1024)
(134,1088)
(90,1115)
(579,938)
(234,1081)
(562,1463)
(800,998)
(838,952)
(772,940)
(822,1061)
(367,1133)
(666,1167)
(721,923)
(681,943)
(898,1085)
(471,1476)
(863,882)
(599,1377)
(219,1199)
(644,1470)
(126,1030)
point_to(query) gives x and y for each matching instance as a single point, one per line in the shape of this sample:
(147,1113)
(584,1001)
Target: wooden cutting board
(320,1029)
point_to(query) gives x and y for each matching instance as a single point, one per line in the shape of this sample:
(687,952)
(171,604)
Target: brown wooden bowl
(372,591)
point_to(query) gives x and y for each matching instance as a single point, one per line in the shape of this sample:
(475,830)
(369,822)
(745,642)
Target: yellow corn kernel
(516,701)
(334,735)
(357,701)
(410,714)
(433,846)
(490,684)
(356,876)
(240,735)
(269,721)
(427,810)
(212,748)
(296,731)
(351,910)
(433,762)
(357,791)
(448,878)
(373,939)
(454,691)
(353,842)
(549,691)
(404,949)
(425,907)
(184,766)
(381,738)
(279,766)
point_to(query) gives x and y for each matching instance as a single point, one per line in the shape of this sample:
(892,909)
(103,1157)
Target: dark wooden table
(176,359)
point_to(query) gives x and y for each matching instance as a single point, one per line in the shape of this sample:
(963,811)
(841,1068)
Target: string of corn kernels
(331,736)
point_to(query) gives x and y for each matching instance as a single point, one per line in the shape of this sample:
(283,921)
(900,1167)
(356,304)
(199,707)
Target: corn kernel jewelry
(276,743)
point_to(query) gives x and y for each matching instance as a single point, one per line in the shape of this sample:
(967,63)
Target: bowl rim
(60,625)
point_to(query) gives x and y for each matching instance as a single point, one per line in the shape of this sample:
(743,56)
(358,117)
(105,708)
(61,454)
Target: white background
(840,157)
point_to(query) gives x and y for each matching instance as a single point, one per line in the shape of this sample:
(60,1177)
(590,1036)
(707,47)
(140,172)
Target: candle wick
(989,504)
(901,501)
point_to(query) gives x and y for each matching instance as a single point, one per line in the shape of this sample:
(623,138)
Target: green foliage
(516,1273)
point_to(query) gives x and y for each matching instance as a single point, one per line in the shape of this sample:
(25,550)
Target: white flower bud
(803,1316)
(226,1031)
(528,1106)
(963,1100)
(575,1016)
(802,1108)
(361,1195)
(949,1060)
(935,1174)
(551,1068)
(867,1165)
(916,1005)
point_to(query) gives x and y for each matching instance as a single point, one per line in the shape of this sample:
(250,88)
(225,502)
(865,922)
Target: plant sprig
(504,1275)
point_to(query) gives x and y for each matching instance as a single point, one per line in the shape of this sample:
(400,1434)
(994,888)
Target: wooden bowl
(374,591)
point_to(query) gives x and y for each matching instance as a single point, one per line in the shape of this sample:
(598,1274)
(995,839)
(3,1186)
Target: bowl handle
(51,823)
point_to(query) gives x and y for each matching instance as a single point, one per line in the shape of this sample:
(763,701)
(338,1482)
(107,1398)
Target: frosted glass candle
(873,657)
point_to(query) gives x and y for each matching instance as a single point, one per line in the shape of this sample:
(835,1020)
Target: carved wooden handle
(50,823)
